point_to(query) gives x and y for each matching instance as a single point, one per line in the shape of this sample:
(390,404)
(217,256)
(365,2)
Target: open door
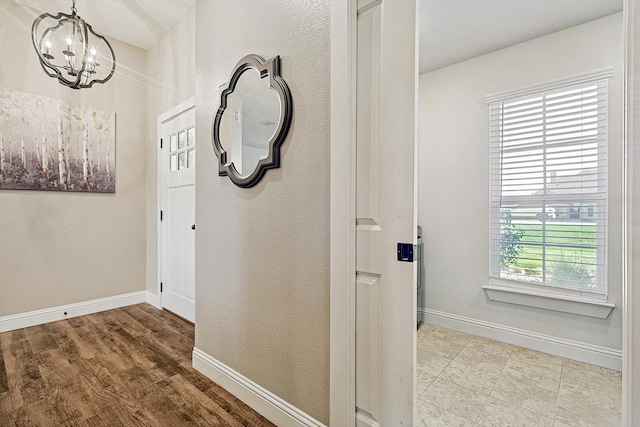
(385,294)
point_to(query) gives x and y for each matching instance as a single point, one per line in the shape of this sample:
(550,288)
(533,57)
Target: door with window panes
(178,214)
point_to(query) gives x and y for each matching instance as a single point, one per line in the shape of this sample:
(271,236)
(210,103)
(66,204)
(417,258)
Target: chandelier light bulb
(47,50)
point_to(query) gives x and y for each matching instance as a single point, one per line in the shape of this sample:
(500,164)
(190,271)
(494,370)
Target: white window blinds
(549,188)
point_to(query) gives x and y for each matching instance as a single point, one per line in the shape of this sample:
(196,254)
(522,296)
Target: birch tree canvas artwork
(50,144)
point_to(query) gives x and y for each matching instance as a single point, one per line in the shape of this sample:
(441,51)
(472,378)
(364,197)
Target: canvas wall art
(51,144)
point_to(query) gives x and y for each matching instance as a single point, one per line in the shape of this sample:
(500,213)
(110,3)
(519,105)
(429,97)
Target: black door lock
(405,252)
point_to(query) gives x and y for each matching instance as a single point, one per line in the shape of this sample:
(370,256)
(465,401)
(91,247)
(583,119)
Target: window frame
(506,290)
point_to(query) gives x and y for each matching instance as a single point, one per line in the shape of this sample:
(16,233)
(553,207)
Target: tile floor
(466,380)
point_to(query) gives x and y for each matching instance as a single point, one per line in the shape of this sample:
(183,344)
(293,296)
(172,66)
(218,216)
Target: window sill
(563,303)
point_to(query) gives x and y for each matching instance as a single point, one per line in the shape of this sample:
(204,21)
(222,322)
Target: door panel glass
(191,158)
(191,137)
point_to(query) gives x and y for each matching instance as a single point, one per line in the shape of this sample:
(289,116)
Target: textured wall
(454,175)
(60,248)
(170,72)
(262,254)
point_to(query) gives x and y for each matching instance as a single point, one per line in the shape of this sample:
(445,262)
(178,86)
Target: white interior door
(385,210)
(177,201)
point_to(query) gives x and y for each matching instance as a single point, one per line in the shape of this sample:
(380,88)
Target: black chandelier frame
(80,78)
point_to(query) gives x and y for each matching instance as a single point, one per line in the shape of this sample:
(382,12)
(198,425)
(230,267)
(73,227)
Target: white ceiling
(455,30)
(450,30)
(137,22)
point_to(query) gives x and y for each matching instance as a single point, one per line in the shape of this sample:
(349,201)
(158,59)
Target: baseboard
(154,300)
(39,317)
(269,405)
(588,353)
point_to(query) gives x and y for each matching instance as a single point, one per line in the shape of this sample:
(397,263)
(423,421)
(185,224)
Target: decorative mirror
(252,121)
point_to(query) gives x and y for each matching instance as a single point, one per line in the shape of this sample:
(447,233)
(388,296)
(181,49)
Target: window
(549,188)
(182,154)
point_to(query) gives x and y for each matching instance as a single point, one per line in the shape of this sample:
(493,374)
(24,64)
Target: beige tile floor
(470,381)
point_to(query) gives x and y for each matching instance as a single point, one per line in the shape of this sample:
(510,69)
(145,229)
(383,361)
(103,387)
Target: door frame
(342,228)
(162,119)
(630,366)
(342,378)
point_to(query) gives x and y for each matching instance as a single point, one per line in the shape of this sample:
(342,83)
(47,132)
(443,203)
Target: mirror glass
(249,121)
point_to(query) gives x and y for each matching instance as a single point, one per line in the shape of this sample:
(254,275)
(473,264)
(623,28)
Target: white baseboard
(588,353)
(39,317)
(154,300)
(269,405)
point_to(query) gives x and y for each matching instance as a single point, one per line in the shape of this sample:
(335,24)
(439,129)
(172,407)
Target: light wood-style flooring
(125,367)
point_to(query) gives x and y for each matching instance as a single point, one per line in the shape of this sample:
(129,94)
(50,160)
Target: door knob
(193,227)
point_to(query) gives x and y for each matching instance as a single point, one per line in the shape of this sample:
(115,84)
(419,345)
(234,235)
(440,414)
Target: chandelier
(71,51)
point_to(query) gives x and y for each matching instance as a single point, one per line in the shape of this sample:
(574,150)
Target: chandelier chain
(73,7)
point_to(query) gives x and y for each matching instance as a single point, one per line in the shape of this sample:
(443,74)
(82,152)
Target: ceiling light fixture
(71,51)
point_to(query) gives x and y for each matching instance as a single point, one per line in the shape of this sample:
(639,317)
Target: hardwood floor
(125,367)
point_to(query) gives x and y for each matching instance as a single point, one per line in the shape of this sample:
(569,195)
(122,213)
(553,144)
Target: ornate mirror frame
(270,68)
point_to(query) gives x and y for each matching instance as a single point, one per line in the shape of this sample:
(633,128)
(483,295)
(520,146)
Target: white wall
(454,175)
(170,79)
(262,254)
(59,248)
